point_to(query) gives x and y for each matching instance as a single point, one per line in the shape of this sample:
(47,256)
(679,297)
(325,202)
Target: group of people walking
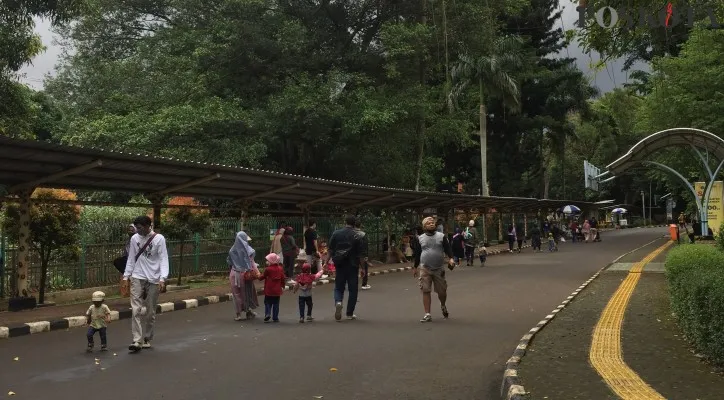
(147,268)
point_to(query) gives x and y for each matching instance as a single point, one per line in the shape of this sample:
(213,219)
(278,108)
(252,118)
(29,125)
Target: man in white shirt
(147,270)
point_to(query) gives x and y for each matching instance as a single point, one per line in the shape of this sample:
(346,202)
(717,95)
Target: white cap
(471,223)
(98,296)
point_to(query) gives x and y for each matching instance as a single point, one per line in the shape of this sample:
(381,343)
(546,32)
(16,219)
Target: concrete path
(387,354)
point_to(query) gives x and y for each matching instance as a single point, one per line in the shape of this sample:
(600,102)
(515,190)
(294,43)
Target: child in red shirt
(274,279)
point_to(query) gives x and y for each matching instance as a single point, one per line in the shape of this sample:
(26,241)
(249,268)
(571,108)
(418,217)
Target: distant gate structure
(707,146)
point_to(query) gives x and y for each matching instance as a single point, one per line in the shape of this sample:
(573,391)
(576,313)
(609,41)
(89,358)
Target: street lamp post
(643,205)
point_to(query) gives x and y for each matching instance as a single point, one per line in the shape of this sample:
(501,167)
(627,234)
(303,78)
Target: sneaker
(104,348)
(351,317)
(146,344)
(338,311)
(366,287)
(276,320)
(301,320)
(444,312)
(310,318)
(250,314)
(426,318)
(135,347)
(325,276)
(267,318)
(89,349)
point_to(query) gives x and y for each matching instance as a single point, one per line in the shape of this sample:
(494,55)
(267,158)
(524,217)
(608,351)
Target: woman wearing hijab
(458,246)
(241,260)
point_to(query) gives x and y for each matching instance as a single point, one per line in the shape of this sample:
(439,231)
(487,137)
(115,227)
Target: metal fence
(89,263)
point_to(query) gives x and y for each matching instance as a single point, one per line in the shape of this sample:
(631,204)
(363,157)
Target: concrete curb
(34,327)
(512,387)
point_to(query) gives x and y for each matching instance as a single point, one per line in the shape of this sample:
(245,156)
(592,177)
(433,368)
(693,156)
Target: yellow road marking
(605,355)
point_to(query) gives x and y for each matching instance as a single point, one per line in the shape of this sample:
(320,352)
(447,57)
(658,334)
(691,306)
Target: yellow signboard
(716,206)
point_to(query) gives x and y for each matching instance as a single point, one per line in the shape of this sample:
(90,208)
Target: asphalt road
(386,354)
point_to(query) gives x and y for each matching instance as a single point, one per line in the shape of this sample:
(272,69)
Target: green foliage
(719,237)
(641,43)
(52,227)
(696,285)
(18,45)
(181,223)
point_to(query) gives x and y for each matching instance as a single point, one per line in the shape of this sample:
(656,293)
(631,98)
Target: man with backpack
(146,273)
(470,237)
(345,250)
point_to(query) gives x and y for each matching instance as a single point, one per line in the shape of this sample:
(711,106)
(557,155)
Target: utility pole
(643,205)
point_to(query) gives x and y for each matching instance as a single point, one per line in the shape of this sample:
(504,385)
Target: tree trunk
(181,263)
(448,78)
(421,120)
(483,143)
(420,152)
(546,182)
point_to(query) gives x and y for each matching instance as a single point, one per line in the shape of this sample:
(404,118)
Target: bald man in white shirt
(147,271)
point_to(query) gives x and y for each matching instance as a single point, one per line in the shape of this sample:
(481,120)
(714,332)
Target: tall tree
(490,74)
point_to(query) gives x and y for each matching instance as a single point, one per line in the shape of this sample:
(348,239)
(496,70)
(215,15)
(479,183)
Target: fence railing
(89,263)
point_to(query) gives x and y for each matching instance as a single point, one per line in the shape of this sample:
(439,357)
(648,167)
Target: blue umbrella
(619,211)
(571,209)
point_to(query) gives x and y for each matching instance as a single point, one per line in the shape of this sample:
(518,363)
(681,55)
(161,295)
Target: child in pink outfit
(305,283)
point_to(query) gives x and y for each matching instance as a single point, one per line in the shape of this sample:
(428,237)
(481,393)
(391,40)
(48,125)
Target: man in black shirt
(311,248)
(344,251)
(363,255)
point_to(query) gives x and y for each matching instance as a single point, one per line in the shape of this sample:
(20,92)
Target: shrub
(695,275)
(720,237)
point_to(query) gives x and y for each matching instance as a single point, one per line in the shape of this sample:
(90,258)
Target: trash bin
(674,232)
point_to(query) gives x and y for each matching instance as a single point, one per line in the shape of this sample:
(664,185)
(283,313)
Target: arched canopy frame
(696,139)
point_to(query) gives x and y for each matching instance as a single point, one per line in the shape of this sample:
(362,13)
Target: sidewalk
(13,324)
(557,365)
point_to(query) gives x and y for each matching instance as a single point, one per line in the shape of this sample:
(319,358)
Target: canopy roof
(28,163)
(678,137)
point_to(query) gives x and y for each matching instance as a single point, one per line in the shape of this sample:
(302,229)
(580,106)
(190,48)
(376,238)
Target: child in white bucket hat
(98,316)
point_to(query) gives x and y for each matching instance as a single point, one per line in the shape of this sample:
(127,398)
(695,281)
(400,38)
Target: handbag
(120,263)
(251,275)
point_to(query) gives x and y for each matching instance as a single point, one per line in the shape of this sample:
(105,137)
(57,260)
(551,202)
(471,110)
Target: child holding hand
(97,318)
(305,283)
(274,280)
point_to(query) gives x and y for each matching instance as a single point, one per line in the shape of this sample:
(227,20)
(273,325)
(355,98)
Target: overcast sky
(605,80)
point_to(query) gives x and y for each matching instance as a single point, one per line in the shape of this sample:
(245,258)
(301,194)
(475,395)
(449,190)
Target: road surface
(387,354)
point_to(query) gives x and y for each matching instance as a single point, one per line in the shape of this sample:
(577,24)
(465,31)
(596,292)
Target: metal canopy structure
(676,137)
(695,139)
(26,164)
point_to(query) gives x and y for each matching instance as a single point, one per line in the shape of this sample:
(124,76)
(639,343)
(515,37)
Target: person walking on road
(364,264)
(520,236)
(471,240)
(146,272)
(311,247)
(344,251)
(458,246)
(274,279)
(430,256)
(241,263)
(511,238)
(290,251)
(535,238)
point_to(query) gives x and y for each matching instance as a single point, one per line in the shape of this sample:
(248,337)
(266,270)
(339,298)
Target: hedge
(695,275)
